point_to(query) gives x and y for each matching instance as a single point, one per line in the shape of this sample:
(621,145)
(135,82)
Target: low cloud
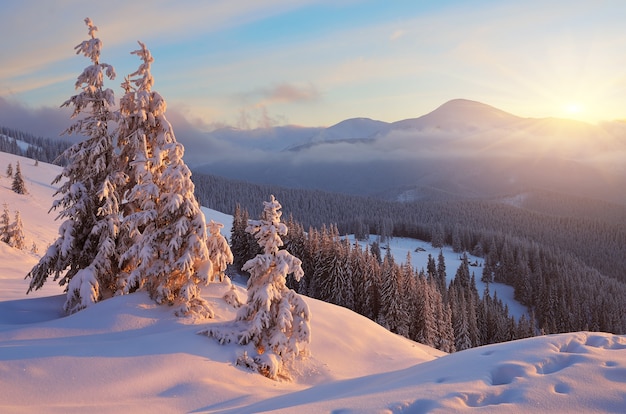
(43,121)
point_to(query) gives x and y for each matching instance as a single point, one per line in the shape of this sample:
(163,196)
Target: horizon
(317,63)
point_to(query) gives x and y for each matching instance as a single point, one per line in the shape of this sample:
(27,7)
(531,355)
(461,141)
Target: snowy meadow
(128,354)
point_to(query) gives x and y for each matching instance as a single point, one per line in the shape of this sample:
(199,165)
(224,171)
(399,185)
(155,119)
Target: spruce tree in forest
(5,224)
(18,185)
(83,257)
(336,287)
(393,315)
(274,319)
(163,230)
(373,286)
(239,239)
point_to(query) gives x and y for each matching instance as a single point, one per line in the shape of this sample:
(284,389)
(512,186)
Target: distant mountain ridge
(461,149)
(460,113)
(456,112)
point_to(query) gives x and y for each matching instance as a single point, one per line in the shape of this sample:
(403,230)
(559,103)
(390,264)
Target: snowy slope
(127,354)
(351,129)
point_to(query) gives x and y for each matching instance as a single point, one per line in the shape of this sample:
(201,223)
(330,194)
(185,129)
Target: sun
(574,110)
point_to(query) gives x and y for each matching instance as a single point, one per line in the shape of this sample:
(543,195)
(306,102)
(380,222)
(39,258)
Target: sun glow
(575,110)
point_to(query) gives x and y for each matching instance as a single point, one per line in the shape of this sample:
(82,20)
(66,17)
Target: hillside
(127,354)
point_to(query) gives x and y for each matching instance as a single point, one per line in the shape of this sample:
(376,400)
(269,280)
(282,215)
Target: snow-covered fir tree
(18,186)
(163,229)
(219,251)
(5,224)
(275,319)
(9,170)
(16,233)
(239,238)
(393,315)
(83,258)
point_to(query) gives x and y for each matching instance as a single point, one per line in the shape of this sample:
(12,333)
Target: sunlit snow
(127,354)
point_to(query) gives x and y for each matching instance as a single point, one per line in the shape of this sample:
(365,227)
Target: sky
(263,63)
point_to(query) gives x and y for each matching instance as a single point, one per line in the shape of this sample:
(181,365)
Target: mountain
(128,354)
(462,149)
(355,128)
(460,114)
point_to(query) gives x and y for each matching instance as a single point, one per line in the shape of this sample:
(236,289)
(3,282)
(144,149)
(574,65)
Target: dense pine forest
(418,305)
(42,149)
(567,265)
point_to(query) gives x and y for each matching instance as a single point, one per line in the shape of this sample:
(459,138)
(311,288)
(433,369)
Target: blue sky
(316,63)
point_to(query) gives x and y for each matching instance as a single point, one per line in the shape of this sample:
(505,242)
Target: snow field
(127,354)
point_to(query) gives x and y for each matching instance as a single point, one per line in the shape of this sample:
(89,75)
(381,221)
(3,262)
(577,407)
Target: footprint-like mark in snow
(476,399)
(506,373)
(557,363)
(562,388)
(610,364)
(613,343)
(616,375)
(420,406)
(573,347)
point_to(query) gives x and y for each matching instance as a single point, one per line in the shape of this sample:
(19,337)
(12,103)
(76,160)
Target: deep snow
(127,354)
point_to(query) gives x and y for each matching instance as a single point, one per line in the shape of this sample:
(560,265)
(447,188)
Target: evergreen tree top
(214,227)
(268,230)
(145,80)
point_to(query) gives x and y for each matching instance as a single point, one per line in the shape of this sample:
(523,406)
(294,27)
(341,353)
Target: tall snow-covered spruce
(131,218)
(83,257)
(163,229)
(275,319)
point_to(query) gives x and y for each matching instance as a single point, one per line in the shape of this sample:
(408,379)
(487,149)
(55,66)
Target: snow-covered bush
(274,319)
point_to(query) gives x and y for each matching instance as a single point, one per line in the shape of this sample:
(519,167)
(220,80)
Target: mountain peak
(460,113)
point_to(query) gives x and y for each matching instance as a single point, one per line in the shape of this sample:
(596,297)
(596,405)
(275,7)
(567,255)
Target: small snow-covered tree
(219,251)
(164,231)
(83,258)
(16,236)
(18,185)
(275,319)
(5,224)
(10,170)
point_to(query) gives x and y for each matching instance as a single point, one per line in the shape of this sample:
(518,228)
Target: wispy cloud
(288,93)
